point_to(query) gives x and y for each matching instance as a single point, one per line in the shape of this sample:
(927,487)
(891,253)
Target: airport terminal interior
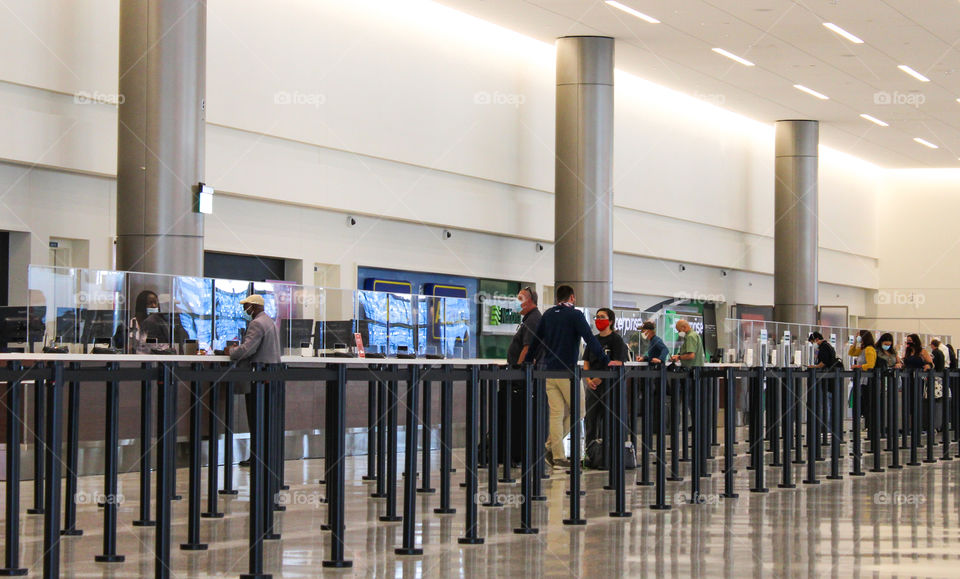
(382,288)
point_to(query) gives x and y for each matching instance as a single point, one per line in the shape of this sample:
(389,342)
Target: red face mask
(602,324)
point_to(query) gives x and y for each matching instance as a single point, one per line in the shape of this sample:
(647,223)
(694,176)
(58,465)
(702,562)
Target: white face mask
(151,311)
(682,334)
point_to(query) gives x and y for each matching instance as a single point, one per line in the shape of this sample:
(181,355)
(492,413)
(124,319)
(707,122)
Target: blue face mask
(885,346)
(247,317)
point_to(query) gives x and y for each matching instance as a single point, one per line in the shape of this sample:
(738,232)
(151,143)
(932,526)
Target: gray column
(795,238)
(584,168)
(160,144)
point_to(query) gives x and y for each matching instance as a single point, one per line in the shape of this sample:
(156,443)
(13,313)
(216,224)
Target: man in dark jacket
(658,351)
(558,348)
(826,354)
(519,352)
(261,343)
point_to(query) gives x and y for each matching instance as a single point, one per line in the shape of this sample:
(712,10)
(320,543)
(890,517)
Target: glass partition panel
(193,310)
(50,316)
(149,314)
(101,301)
(229,323)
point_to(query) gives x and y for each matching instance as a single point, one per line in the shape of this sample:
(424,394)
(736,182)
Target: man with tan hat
(261,343)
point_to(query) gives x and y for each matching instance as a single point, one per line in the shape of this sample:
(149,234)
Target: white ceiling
(789,45)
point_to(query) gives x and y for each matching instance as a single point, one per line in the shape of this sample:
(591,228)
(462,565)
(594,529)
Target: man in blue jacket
(658,352)
(557,342)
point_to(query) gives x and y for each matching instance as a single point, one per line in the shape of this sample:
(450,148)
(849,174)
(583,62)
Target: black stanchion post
(931,412)
(146,446)
(51,515)
(661,492)
(874,430)
(391,478)
(947,401)
(575,437)
(695,421)
(729,426)
(39,404)
(857,396)
(540,416)
(507,428)
(774,417)
(836,427)
(891,381)
(111,453)
(194,499)
(675,406)
(336,396)
(683,387)
(228,441)
(213,454)
(528,473)
(11,544)
(492,442)
(915,414)
(166,439)
(618,402)
(426,439)
(705,386)
(473,402)
(446,441)
(797,390)
(789,404)
(813,442)
(757,446)
(371,431)
(381,490)
(73,463)
(259,487)
(410,467)
(646,437)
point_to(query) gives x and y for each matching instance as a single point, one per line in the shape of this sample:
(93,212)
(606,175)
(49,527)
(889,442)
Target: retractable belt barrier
(646,409)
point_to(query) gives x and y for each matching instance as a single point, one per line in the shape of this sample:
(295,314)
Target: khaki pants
(558,398)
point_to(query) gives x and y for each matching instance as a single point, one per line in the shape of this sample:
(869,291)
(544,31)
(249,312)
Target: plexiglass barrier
(763,343)
(86,311)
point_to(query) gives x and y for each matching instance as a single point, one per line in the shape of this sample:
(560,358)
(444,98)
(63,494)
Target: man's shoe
(548,458)
(244,463)
(561,464)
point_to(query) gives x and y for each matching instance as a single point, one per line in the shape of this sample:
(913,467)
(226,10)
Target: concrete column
(795,230)
(160,144)
(584,168)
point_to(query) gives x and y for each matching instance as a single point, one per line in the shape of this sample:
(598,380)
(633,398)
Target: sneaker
(548,458)
(561,464)
(244,463)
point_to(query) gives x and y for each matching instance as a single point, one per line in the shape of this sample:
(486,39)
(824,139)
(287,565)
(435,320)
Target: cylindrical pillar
(584,168)
(160,136)
(795,225)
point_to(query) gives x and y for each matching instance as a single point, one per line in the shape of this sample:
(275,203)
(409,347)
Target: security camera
(723,273)
(539,247)
(683,267)
(447,234)
(351,221)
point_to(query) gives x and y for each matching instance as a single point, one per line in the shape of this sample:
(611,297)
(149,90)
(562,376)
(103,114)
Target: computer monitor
(295,331)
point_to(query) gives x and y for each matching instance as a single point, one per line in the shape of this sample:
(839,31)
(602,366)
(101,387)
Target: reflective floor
(896,523)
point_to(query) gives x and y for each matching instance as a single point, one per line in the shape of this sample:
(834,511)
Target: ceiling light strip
(925,143)
(632,12)
(851,37)
(811,92)
(733,56)
(913,73)
(875,120)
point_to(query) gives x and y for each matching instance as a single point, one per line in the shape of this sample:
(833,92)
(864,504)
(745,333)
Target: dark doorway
(244,267)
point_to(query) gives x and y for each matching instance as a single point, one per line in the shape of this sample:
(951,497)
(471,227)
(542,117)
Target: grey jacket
(261,343)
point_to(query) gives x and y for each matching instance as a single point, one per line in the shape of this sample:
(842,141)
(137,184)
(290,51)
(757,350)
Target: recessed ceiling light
(925,143)
(913,73)
(843,33)
(733,56)
(812,92)
(958,100)
(633,12)
(875,120)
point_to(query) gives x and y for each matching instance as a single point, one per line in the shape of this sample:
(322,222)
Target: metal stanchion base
(367,477)
(211,515)
(831,477)
(811,482)
(271,537)
(279,508)
(730,496)
(910,464)
(12,572)
(71,532)
(640,483)
(324,527)
(857,474)
(33,511)
(193,546)
(109,558)
(440,511)
(229,493)
(675,478)
(530,531)
(786,486)
(408,551)
(426,491)
(389,519)
(582,493)
(926,461)
(574,521)
(378,495)
(258,575)
(660,507)
(470,540)
(139,523)
(620,515)
(538,498)
(759,490)
(335,565)
(284,487)
(510,481)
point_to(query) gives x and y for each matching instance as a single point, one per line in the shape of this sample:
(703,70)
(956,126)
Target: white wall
(426,118)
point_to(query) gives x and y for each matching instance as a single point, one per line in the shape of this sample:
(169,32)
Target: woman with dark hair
(595,394)
(148,322)
(886,354)
(953,357)
(865,352)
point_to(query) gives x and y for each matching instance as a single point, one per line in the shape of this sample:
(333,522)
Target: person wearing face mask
(886,354)
(519,353)
(557,347)
(826,354)
(148,322)
(691,351)
(261,343)
(657,352)
(596,392)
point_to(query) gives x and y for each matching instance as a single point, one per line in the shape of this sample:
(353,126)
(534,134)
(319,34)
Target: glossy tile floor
(896,523)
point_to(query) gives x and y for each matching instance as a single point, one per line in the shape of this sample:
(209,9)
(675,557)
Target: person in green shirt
(691,351)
